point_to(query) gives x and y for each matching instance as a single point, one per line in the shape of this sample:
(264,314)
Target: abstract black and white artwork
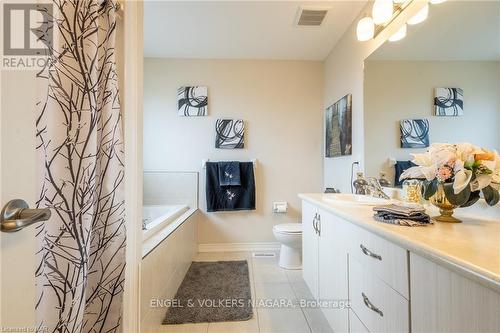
(230,134)
(192,101)
(339,128)
(414,133)
(449,102)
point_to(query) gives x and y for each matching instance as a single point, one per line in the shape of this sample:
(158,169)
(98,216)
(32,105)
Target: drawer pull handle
(370,306)
(369,253)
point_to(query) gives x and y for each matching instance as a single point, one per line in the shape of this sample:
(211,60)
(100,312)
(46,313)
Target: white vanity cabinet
(310,247)
(390,288)
(333,271)
(378,281)
(444,301)
(325,263)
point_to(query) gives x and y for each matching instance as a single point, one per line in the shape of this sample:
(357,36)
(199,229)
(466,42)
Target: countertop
(471,248)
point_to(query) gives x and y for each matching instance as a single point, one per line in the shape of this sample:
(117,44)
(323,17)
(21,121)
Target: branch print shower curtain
(80,277)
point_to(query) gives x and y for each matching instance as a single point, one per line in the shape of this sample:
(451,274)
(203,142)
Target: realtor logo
(26,31)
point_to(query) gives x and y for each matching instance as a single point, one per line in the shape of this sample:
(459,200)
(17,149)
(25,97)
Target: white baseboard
(239,247)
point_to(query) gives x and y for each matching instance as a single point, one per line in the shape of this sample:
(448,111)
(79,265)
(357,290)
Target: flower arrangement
(463,170)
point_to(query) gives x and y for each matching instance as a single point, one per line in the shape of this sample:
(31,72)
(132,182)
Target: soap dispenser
(360,184)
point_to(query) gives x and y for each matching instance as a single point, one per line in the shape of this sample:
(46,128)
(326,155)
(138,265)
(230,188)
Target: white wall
(344,75)
(396,90)
(170,188)
(282,105)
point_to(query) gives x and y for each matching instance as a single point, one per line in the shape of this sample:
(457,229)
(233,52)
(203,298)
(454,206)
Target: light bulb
(365,29)
(382,11)
(436,2)
(420,17)
(400,34)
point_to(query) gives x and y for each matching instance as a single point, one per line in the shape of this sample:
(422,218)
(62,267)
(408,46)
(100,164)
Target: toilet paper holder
(280,207)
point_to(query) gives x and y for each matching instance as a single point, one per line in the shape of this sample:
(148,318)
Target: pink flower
(444,173)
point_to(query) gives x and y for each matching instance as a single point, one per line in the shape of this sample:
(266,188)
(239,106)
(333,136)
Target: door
(17,181)
(333,270)
(309,248)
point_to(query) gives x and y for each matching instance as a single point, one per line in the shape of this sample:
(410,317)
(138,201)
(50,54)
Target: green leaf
(491,195)
(474,197)
(429,188)
(456,199)
(469,165)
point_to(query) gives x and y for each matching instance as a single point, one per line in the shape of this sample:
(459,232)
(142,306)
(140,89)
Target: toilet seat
(288,228)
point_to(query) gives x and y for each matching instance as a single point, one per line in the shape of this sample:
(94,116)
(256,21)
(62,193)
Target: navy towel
(229,174)
(401,166)
(230,198)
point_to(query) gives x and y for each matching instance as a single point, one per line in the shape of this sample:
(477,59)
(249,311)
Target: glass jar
(412,191)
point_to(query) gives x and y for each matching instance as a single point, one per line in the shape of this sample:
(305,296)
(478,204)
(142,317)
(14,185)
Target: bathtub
(157,217)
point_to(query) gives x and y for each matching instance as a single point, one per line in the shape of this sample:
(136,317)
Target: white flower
(459,165)
(442,153)
(465,152)
(457,156)
(424,159)
(494,164)
(462,180)
(420,172)
(480,182)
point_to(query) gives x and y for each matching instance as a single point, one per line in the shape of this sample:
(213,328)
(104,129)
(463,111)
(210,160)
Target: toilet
(290,237)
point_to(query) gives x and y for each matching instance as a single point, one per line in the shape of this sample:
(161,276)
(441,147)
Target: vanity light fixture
(400,34)
(382,11)
(365,29)
(420,17)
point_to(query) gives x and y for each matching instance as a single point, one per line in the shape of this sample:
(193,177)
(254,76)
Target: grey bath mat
(212,292)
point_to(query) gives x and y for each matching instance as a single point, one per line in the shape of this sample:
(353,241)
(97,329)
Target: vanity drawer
(384,259)
(379,307)
(355,325)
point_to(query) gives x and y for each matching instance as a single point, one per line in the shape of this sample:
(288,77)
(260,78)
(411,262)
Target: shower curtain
(81,255)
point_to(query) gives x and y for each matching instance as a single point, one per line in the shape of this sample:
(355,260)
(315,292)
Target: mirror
(439,84)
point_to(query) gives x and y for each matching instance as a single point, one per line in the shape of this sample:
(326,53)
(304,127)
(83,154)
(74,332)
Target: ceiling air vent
(311,17)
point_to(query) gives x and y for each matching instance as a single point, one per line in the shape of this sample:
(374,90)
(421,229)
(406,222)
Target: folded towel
(408,210)
(411,216)
(400,221)
(229,173)
(230,198)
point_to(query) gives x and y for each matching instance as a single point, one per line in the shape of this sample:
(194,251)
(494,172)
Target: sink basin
(354,199)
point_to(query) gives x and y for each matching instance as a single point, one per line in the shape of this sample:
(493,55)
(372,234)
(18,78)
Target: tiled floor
(268,282)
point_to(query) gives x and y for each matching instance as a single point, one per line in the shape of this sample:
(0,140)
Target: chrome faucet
(374,189)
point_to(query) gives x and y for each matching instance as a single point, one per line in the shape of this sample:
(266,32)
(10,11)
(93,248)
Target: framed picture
(230,134)
(449,102)
(192,101)
(339,128)
(414,133)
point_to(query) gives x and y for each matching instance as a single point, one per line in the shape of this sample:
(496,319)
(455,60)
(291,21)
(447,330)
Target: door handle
(315,220)
(17,215)
(369,253)
(370,305)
